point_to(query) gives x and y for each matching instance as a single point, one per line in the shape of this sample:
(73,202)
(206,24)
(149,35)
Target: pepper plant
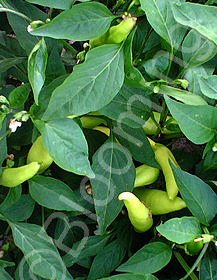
(108,139)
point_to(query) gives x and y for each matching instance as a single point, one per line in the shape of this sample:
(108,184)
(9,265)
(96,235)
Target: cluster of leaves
(51,226)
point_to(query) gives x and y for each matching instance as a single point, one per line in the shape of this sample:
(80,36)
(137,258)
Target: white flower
(14,124)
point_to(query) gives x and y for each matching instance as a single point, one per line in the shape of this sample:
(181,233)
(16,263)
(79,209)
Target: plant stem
(170,62)
(50,13)
(205,229)
(184,265)
(68,46)
(42,216)
(143,45)
(117,5)
(130,6)
(7,230)
(164,113)
(202,253)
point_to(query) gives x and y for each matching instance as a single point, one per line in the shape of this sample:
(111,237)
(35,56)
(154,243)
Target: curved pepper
(103,129)
(12,177)
(162,155)
(145,175)
(139,215)
(158,201)
(39,153)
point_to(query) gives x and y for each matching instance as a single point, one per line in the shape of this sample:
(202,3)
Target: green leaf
(69,229)
(180,230)
(142,35)
(131,106)
(198,123)
(24,272)
(114,173)
(6,7)
(39,251)
(19,24)
(5,275)
(209,161)
(199,17)
(156,66)
(201,200)
(131,276)
(208,86)
(82,22)
(46,93)
(19,95)
(196,50)
(193,76)
(20,210)
(149,259)
(92,84)
(12,197)
(133,76)
(37,62)
(208,267)
(4,264)
(57,4)
(52,193)
(95,139)
(80,249)
(213,229)
(160,16)
(182,95)
(107,259)
(2,117)
(135,140)
(10,48)
(7,63)
(55,67)
(65,142)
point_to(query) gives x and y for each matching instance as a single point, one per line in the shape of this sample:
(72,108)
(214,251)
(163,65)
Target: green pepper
(91,122)
(36,23)
(158,201)
(193,247)
(12,177)
(139,215)
(39,153)
(145,175)
(116,34)
(151,128)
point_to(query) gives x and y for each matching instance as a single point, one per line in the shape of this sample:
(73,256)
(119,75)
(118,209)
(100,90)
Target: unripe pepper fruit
(39,153)
(151,128)
(145,175)
(162,155)
(91,122)
(116,34)
(139,215)
(12,177)
(103,129)
(193,247)
(158,201)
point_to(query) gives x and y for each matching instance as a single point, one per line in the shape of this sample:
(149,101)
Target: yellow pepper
(139,215)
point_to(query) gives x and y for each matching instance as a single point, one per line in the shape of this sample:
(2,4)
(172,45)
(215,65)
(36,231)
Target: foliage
(101,112)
